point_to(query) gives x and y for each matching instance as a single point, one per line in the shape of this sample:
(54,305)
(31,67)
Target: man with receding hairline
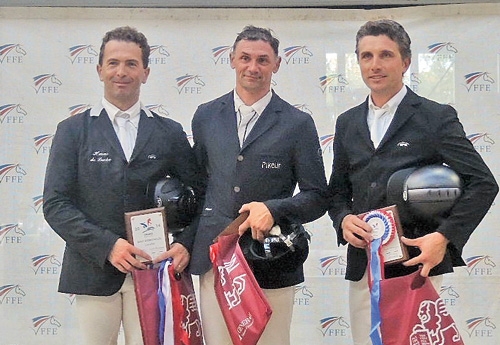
(256,148)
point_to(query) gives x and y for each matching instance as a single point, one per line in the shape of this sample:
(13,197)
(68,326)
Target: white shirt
(112,111)
(391,106)
(133,111)
(258,107)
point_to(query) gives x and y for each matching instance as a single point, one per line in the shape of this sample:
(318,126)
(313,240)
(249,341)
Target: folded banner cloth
(168,311)
(180,322)
(244,306)
(412,313)
(146,292)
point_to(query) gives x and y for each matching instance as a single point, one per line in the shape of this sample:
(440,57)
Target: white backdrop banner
(48,60)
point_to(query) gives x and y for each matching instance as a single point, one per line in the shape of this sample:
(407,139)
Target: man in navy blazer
(413,132)
(90,183)
(254,163)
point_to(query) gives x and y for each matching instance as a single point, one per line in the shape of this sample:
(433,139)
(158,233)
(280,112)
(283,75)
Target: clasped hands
(123,256)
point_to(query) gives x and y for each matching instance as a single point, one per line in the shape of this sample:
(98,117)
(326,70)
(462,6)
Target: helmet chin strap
(276,236)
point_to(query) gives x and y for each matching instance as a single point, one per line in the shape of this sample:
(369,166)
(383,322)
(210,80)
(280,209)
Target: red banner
(413,313)
(244,306)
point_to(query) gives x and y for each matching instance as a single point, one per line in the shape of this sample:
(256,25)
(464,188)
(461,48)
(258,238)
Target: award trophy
(147,230)
(386,225)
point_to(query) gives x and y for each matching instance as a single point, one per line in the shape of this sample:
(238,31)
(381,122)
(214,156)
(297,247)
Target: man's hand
(259,220)
(356,231)
(432,247)
(178,253)
(122,256)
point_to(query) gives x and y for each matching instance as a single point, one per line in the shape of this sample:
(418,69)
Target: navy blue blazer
(422,133)
(281,151)
(89,185)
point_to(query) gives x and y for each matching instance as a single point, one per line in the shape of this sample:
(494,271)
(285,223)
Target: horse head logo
(328,322)
(476,322)
(160,49)
(11,108)
(9,48)
(290,52)
(85,49)
(159,109)
(8,169)
(304,290)
(44,320)
(329,79)
(473,261)
(475,137)
(220,51)
(10,289)
(44,260)
(447,46)
(184,80)
(477,78)
(43,79)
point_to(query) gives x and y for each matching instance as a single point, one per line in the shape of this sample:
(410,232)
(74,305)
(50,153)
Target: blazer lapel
(227,121)
(361,124)
(406,110)
(104,125)
(146,128)
(265,121)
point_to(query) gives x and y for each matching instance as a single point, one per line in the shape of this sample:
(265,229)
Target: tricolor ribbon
(166,333)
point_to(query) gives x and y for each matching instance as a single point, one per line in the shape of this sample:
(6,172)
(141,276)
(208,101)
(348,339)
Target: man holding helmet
(396,129)
(100,163)
(256,148)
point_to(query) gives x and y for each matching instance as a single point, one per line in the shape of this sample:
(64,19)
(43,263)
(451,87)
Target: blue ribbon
(376,274)
(375,268)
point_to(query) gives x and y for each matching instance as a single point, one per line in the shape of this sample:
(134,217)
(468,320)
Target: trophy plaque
(386,225)
(147,230)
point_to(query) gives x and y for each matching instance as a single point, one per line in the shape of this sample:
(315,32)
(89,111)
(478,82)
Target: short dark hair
(127,34)
(389,28)
(253,33)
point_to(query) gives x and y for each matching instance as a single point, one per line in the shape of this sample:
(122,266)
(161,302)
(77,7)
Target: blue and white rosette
(384,228)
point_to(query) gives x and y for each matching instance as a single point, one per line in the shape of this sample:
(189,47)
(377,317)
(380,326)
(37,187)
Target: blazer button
(373,184)
(236,189)
(240,158)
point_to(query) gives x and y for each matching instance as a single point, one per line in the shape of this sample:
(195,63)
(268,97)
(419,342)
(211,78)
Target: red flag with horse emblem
(180,322)
(168,310)
(244,306)
(413,313)
(186,319)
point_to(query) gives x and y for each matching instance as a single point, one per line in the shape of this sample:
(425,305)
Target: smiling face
(382,67)
(122,73)
(254,63)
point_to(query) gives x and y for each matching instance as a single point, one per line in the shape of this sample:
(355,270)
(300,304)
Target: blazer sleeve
(480,187)
(60,198)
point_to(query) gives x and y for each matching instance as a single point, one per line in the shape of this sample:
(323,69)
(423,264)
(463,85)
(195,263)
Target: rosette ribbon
(375,266)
